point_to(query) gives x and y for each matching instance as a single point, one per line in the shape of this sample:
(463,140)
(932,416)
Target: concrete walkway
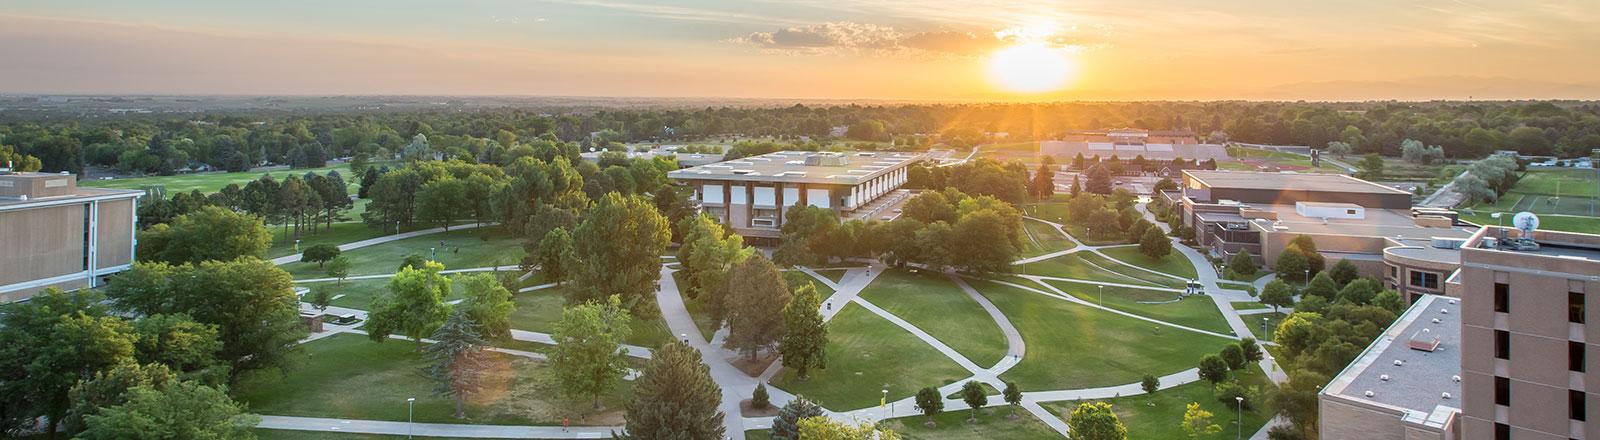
(432,429)
(379,240)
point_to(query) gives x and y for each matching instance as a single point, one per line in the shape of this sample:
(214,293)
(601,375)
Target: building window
(1502,344)
(87,212)
(1426,280)
(1502,431)
(1394,272)
(1575,307)
(1502,391)
(1575,356)
(1502,297)
(1576,405)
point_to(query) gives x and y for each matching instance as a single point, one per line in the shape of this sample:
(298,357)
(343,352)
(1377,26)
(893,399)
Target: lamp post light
(410,401)
(1263,327)
(1308,278)
(297,245)
(1239,422)
(397,226)
(1102,295)
(433,254)
(886,401)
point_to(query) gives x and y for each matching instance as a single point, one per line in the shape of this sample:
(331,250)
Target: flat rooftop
(1416,385)
(19,190)
(1289,181)
(1391,223)
(1556,244)
(791,167)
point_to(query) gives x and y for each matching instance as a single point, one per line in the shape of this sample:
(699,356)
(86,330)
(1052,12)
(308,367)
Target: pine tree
(759,399)
(458,359)
(805,342)
(787,425)
(675,398)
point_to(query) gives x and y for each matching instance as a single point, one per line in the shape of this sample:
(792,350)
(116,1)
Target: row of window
(1577,402)
(1576,351)
(1575,302)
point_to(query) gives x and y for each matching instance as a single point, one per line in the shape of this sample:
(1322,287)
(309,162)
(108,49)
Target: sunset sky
(891,49)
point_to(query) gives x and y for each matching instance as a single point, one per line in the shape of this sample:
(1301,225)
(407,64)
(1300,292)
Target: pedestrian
(565,423)
(830,305)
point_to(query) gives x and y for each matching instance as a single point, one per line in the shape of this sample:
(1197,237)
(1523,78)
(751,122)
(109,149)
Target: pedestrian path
(379,240)
(1015,347)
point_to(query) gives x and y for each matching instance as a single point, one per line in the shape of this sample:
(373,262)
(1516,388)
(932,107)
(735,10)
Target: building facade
(751,195)
(1405,385)
(1526,301)
(56,234)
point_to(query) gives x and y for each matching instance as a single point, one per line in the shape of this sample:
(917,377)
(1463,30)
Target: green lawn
(1248,305)
(1072,346)
(867,353)
(1174,263)
(1194,311)
(1074,266)
(1082,234)
(935,304)
(1586,225)
(1564,182)
(1040,238)
(836,275)
(283,434)
(213,182)
(339,233)
(1056,212)
(795,279)
(702,318)
(1238,286)
(1254,322)
(462,249)
(758,434)
(1128,270)
(1163,420)
(349,376)
(540,310)
(993,423)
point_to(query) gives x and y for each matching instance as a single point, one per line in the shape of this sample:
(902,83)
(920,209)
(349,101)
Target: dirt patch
(745,409)
(753,368)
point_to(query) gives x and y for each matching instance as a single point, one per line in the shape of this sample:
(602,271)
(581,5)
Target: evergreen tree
(804,344)
(1099,180)
(675,398)
(1243,264)
(759,399)
(1344,272)
(1233,356)
(786,426)
(458,361)
(1252,350)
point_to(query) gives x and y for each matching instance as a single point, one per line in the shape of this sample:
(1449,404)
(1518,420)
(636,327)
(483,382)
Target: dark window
(1502,344)
(1350,211)
(1502,391)
(87,210)
(1575,356)
(1426,280)
(1502,431)
(1575,307)
(1394,271)
(1502,298)
(1576,405)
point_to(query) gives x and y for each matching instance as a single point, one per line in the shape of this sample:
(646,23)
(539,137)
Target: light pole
(1239,422)
(433,254)
(297,245)
(1102,295)
(1308,278)
(396,226)
(410,401)
(1263,328)
(886,401)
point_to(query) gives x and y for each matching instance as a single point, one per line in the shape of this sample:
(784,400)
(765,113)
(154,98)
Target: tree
(988,240)
(1235,393)
(759,399)
(320,254)
(1155,244)
(180,343)
(339,268)
(786,426)
(1388,300)
(457,360)
(1277,294)
(930,403)
(487,304)
(1213,368)
(1243,264)
(1233,356)
(805,339)
(1043,184)
(252,303)
(675,398)
(185,410)
(1099,180)
(823,428)
(110,388)
(1344,272)
(617,251)
(1096,421)
(442,201)
(1252,350)
(1197,422)
(1291,265)
(1150,384)
(1370,167)
(555,255)
(53,341)
(1322,285)
(972,394)
(212,233)
(414,305)
(756,299)
(1339,148)
(320,297)
(1308,248)
(588,357)
(1414,151)
(707,255)
(1013,396)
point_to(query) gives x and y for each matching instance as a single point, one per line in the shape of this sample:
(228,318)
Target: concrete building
(1526,305)
(1128,143)
(752,194)
(56,234)
(1406,385)
(1349,219)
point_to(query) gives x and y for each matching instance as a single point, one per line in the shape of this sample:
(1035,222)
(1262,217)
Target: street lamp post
(1263,327)
(1102,295)
(433,254)
(1308,278)
(297,245)
(397,226)
(1239,422)
(886,401)
(410,401)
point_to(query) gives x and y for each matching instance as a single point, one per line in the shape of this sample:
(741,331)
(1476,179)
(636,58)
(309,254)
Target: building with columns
(751,194)
(56,234)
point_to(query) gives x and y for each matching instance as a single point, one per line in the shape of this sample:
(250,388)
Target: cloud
(844,36)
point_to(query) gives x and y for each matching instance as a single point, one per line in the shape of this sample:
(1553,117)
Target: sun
(1030,68)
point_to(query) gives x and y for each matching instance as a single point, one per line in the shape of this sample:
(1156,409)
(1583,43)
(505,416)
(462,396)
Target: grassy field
(1248,305)
(462,249)
(282,434)
(866,354)
(215,181)
(794,279)
(1564,182)
(1238,286)
(1130,271)
(1574,210)
(1254,322)
(993,423)
(1075,266)
(1072,346)
(935,304)
(1194,311)
(1160,416)
(540,310)
(837,275)
(1056,212)
(1174,263)
(339,233)
(349,376)
(1041,238)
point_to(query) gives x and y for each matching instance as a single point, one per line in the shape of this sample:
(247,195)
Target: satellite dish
(1526,221)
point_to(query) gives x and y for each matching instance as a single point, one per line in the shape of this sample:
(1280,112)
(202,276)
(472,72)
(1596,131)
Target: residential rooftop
(839,168)
(1289,182)
(1399,372)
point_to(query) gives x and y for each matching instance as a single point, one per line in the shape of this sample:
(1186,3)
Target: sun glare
(1030,68)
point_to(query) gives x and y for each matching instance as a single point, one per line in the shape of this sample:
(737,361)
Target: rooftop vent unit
(1448,243)
(1423,341)
(1445,395)
(1399,363)
(1369,393)
(827,160)
(1383,377)
(744,172)
(1455,378)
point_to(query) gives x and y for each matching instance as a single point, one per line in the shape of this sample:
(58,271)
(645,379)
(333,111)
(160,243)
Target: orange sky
(889,49)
